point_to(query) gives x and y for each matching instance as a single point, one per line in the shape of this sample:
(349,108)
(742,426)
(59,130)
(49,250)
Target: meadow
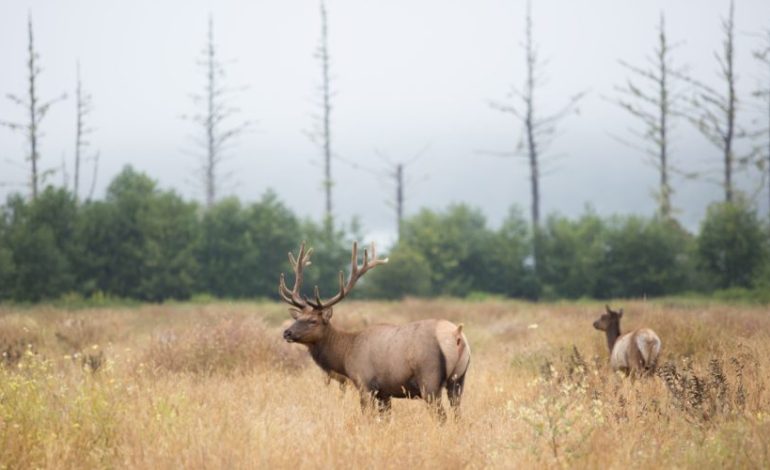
(213,386)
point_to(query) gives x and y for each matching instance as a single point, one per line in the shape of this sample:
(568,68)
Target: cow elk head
(610,320)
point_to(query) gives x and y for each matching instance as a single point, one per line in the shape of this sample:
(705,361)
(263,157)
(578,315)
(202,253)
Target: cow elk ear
(607,307)
(620,313)
(326,315)
(294,312)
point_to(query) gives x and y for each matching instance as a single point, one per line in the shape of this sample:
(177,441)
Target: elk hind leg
(430,390)
(383,405)
(368,399)
(454,391)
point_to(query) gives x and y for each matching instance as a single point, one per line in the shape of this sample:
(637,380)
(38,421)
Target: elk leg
(371,397)
(454,390)
(430,390)
(367,398)
(383,405)
(434,402)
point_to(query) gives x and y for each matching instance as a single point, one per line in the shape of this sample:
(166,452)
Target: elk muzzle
(287,335)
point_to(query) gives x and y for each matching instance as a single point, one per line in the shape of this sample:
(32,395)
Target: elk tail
(650,352)
(463,355)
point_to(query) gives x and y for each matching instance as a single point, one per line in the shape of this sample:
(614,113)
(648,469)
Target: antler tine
(294,296)
(354,260)
(283,290)
(356,272)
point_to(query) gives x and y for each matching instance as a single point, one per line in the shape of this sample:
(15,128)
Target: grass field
(213,386)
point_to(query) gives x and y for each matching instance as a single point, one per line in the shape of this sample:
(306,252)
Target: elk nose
(287,335)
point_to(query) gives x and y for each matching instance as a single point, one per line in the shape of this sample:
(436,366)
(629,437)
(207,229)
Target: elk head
(312,316)
(609,320)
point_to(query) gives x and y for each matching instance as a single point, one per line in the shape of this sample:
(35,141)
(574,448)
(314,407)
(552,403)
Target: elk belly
(619,357)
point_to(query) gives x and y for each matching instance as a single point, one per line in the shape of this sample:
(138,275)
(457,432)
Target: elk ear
(606,306)
(326,315)
(294,312)
(620,313)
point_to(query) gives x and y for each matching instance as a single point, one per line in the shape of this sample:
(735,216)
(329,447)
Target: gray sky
(407,74)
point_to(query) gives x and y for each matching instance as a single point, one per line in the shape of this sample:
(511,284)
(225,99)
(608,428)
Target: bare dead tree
(539,130)
(37,110)
(763,94)
(396,172)
(321,134)
(214,120)
(83,107)
(713,112)
(654,100)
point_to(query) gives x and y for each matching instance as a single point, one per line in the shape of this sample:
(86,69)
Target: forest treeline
(142,242)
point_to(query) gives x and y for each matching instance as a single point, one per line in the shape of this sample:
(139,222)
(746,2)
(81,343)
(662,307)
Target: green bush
(732,245)
(407,273)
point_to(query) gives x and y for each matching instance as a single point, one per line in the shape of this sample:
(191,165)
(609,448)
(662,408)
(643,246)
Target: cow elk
(635,352)
(415,360)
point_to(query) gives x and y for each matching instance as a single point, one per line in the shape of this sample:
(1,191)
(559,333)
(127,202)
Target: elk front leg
(371,399)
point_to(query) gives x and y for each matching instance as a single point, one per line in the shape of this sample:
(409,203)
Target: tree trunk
(665,189)
(399,197)
(532,150)
(211,156)
(327,151)
(32,113)
(730,132)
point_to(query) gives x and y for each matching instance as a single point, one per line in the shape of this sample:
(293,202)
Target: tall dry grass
(187,386)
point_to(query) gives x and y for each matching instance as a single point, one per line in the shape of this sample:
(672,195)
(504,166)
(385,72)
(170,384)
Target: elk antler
(294,297)
(356,272)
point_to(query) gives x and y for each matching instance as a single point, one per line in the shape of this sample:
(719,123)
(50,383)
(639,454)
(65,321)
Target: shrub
(227,346)
(407,273)
(732,245)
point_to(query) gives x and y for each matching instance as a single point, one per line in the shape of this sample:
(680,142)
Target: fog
(407,75)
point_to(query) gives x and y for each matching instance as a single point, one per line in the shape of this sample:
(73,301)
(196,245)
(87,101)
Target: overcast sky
(407,73)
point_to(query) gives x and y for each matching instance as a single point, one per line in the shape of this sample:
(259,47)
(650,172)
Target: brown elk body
(414,360)
(635,352)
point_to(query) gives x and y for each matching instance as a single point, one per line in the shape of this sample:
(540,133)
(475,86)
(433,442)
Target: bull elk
(415,360)
(636,351)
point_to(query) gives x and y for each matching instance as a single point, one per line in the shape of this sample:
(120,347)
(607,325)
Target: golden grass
(189,386)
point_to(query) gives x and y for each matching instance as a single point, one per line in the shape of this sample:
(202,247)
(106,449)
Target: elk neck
(613,333)
(332,349)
